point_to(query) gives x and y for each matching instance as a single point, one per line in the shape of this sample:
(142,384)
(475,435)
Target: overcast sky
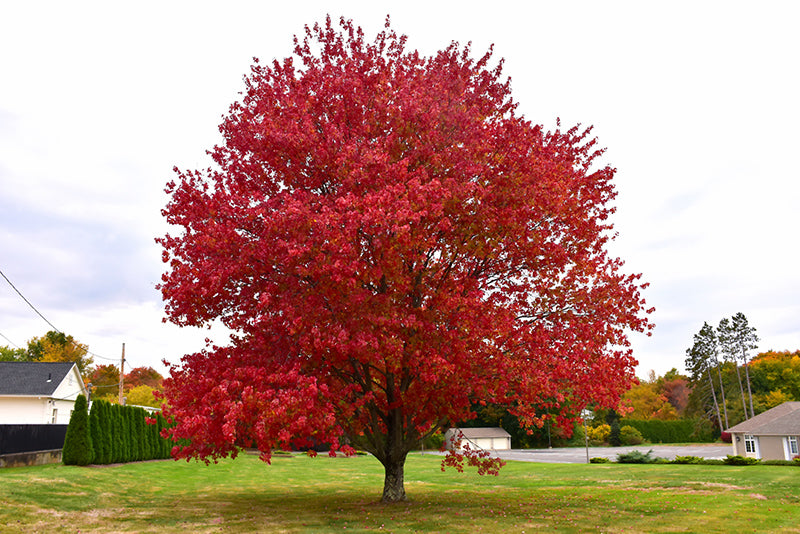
(696,102)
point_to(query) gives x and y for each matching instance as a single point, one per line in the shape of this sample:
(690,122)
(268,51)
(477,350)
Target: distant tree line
(725,385)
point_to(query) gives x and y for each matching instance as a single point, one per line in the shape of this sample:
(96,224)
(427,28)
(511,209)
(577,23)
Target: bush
(599,460)
(637,457)
(96,433)
(779,462)
(677,431)
(614,436)
(434,442)
(628,435)
(78,441)
(739,460)
(688,460)
(599,434)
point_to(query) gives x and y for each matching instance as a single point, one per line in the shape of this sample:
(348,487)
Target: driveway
(576,455)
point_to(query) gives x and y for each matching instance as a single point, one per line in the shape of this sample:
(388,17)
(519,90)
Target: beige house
(479,438)
(36,393)
(772,435)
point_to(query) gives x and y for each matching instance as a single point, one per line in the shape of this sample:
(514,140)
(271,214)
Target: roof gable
(781,420)
(32,378)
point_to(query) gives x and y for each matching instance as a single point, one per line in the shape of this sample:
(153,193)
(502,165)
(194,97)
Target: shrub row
(676,431)
(604,434)
(113,434)
(638,457)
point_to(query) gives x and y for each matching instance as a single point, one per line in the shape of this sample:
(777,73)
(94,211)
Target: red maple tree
(143,376)
(390,243)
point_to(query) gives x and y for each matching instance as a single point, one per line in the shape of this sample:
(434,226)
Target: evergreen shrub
(688,460)
(675,431)
(629,435)
(638,457)
(78,442)
(740,460)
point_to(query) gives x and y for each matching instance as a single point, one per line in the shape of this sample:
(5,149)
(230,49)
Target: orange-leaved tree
(390,242)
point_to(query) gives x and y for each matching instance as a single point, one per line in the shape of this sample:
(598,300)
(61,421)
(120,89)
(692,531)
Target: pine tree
(96,431)
(78,441)
(699,359)
(745,340)
(727,341)
(127,445)
(108,432)
(119,434)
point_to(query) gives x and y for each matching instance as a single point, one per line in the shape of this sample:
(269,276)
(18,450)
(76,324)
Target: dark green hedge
(677,431)
(78,441)
(112,433)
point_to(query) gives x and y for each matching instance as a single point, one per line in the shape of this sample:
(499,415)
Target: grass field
(302,494)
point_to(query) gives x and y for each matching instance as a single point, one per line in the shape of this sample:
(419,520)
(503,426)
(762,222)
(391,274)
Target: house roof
(32,378)
(484,432)
(781,420)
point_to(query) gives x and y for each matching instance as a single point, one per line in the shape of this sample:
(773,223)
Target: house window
(792,445)
(749,443)
(55,415)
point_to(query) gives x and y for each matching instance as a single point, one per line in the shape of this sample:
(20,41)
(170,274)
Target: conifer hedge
(78,442)
(676,431)
(112,433)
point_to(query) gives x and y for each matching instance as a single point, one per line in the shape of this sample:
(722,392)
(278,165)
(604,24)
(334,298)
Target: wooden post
(121,372)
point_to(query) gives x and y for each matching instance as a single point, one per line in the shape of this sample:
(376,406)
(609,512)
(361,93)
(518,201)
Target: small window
(749,444)
(792,445)
(55,416)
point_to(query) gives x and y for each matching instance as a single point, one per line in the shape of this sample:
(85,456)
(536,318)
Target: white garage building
(492,438)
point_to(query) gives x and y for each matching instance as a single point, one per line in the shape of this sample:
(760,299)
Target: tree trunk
(394,454)
(393,488)
(741,389)
(749,391)
(716,405)
(722,392)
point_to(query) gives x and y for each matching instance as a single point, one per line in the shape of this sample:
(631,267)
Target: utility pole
(121,372)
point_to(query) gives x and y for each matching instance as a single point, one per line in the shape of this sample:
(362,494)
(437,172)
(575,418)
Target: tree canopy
(390,242)
(54,346)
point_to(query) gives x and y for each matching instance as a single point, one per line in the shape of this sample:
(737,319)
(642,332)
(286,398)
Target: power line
(48,322)
(4,337)
(29,302)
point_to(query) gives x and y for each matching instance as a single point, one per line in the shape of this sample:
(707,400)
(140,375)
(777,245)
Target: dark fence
(29,438)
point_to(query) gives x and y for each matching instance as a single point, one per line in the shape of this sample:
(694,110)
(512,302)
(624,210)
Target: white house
(772,435)
(38,392)
(491,438)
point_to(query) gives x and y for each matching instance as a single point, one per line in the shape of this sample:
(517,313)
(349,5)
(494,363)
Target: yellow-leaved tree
(59,347)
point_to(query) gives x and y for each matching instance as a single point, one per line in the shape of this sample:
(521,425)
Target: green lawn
(301,494)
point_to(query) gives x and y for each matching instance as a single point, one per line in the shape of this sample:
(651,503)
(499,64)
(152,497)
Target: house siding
(491,438)
(768,447)
(38,404)
(493,443)
(24,410)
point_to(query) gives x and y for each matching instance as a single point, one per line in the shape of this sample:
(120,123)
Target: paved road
(576,455)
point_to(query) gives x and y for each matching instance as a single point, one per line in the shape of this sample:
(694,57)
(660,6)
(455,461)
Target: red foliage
(143,376)
(390,242)
(104,377)
(677,393)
